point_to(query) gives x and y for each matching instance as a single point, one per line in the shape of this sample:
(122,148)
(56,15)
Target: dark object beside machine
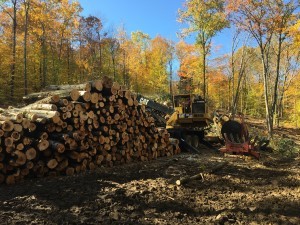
(237,140)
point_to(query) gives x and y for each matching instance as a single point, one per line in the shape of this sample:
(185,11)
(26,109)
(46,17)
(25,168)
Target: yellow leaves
(204,16)
(294,33)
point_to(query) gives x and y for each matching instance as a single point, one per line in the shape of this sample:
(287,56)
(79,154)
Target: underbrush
(281,146)
(285,147)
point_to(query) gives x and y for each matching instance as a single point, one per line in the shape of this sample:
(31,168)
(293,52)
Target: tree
(264,20)
(90,29)
(284,18)
(114,46)
(138,60)
(159,56)
(124,45)
(170,58)
(188,56)
(240,72)
(11,9)
(206,18)
(26,4)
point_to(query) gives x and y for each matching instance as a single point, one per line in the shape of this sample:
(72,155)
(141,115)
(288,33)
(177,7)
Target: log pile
(74,128)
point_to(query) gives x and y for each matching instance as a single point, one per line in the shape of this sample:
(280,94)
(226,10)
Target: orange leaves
(188,56)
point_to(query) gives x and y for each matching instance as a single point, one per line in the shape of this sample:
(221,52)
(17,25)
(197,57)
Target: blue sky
(154,17)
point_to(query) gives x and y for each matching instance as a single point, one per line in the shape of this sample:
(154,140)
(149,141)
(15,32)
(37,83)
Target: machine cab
(189,106)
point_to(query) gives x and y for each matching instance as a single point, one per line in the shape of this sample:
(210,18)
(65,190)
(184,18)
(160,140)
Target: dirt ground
(244,191)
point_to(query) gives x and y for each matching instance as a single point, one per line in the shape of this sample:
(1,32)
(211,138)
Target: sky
(153,17)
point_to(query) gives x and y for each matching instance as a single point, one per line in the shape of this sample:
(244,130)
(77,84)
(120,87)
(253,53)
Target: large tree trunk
(275,104)
(240,76)
(266,94)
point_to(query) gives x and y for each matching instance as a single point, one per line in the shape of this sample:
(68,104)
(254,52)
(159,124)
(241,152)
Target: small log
(30,153)
(2,178)
(18,127)
(7,115)
(107,82)
(10,179)
(64,87)
(26,123)
(9,141)
(50,107)
(15,135)
(20,146)
(59,147)
(7,125)
(52,163)
(70,171)
(96,85)
(62,165)
(21,158)
(85,95)
(74,94)
(25,171)
(43,145)
(200,175)
(29,165)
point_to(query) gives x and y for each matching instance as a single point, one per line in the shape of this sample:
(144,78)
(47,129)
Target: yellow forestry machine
(186,121)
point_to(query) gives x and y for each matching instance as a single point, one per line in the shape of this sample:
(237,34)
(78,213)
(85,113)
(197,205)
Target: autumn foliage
(49,42)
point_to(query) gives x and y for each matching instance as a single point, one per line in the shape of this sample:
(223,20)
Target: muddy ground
(243,191)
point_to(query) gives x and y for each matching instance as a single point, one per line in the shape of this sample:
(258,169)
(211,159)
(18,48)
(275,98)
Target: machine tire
(195,141)
(188,139)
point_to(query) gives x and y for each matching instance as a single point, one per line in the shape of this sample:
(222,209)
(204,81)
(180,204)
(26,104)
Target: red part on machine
(236,138)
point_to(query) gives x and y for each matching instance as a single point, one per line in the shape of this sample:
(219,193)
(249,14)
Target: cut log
(43,145)
(200,175)
(2,178)
(7,125)
(85,95)
(18,127)
(7,115)
(96,85)
(59,147)
(10,179)
(52,163)
(21,158)
(70,171)
(30,153)
(9,141)
(34,106)
(107,82)
(64,87)
(74,94)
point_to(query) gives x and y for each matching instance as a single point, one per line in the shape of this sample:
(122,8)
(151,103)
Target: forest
(49,42)
(77,146)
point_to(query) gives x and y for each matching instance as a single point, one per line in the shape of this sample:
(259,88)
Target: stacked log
(70,130)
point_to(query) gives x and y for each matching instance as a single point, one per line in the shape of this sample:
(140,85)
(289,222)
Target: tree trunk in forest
(44,58)
(266,94)
(100,53)
(27,6)
(171,80)
(276,104)
(124,68)
(14,45)
(240,76)
(204,69)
